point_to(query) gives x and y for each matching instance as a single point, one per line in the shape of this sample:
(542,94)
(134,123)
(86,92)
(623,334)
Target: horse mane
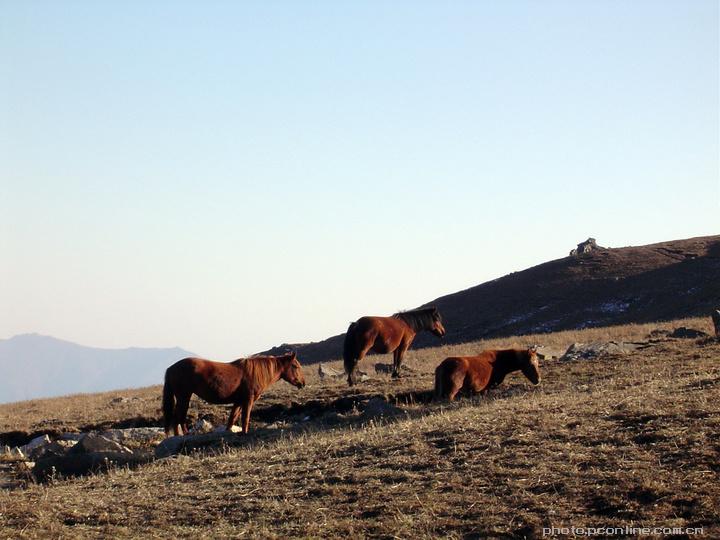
(419,319)
(262,369)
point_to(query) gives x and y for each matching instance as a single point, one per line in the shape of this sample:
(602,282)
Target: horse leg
(454,389)
(247,407)
(168,403)
(181,410)
(397,359)
(457,381)
(361,355)
(396,364)
(234,413)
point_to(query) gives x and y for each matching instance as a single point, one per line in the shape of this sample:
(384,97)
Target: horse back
(476,371)
(215,382)
(387,332)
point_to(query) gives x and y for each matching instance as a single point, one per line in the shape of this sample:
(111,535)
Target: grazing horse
(387,334)
(240,382)
(479,373)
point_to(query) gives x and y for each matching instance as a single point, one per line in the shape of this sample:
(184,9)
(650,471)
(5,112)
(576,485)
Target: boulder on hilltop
(587,246)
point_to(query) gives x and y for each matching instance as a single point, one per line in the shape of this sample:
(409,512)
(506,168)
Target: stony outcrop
(548,353)
(95,442)
(74,454)
(587,246)
(590,351)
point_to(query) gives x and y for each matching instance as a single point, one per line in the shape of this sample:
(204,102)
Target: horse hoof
(395,375)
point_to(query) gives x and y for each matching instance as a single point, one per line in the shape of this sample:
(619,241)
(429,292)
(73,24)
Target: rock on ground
(547,353)
(185,443)
(589,351)
(94,442)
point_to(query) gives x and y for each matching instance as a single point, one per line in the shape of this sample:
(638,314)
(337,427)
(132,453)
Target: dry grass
(143,406)
(632,440)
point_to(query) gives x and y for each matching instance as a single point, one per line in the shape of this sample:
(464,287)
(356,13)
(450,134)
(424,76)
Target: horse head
(437,327)
(292,371)
(530,365)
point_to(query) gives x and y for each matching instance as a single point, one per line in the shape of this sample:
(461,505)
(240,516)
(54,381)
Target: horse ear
(293,355)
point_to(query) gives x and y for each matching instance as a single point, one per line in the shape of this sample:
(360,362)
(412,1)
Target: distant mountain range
(600,287)
(34,366)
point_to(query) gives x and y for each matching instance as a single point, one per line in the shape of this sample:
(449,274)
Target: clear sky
(228,176)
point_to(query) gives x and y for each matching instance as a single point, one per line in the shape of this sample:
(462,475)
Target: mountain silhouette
(34,366)
(592,287)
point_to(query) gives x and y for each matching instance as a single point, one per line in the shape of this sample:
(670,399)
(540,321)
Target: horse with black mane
(477,374)
(387,334)
(240,382)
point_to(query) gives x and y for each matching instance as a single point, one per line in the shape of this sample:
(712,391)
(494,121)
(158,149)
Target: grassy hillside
(623,440)
(606,287)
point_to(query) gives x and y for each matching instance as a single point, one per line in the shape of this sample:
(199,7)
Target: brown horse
(479,373)
(240,382)
(387,334)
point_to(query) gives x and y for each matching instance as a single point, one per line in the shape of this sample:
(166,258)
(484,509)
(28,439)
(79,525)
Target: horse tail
(349,348)
(168,403)
(439,391)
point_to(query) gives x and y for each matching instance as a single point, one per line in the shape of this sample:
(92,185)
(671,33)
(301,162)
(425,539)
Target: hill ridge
(660,281)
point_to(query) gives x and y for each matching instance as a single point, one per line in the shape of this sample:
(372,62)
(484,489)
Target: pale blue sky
(227,176)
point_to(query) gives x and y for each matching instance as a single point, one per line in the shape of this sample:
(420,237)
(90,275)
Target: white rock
(36,442)
(34,445)
(94,442)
